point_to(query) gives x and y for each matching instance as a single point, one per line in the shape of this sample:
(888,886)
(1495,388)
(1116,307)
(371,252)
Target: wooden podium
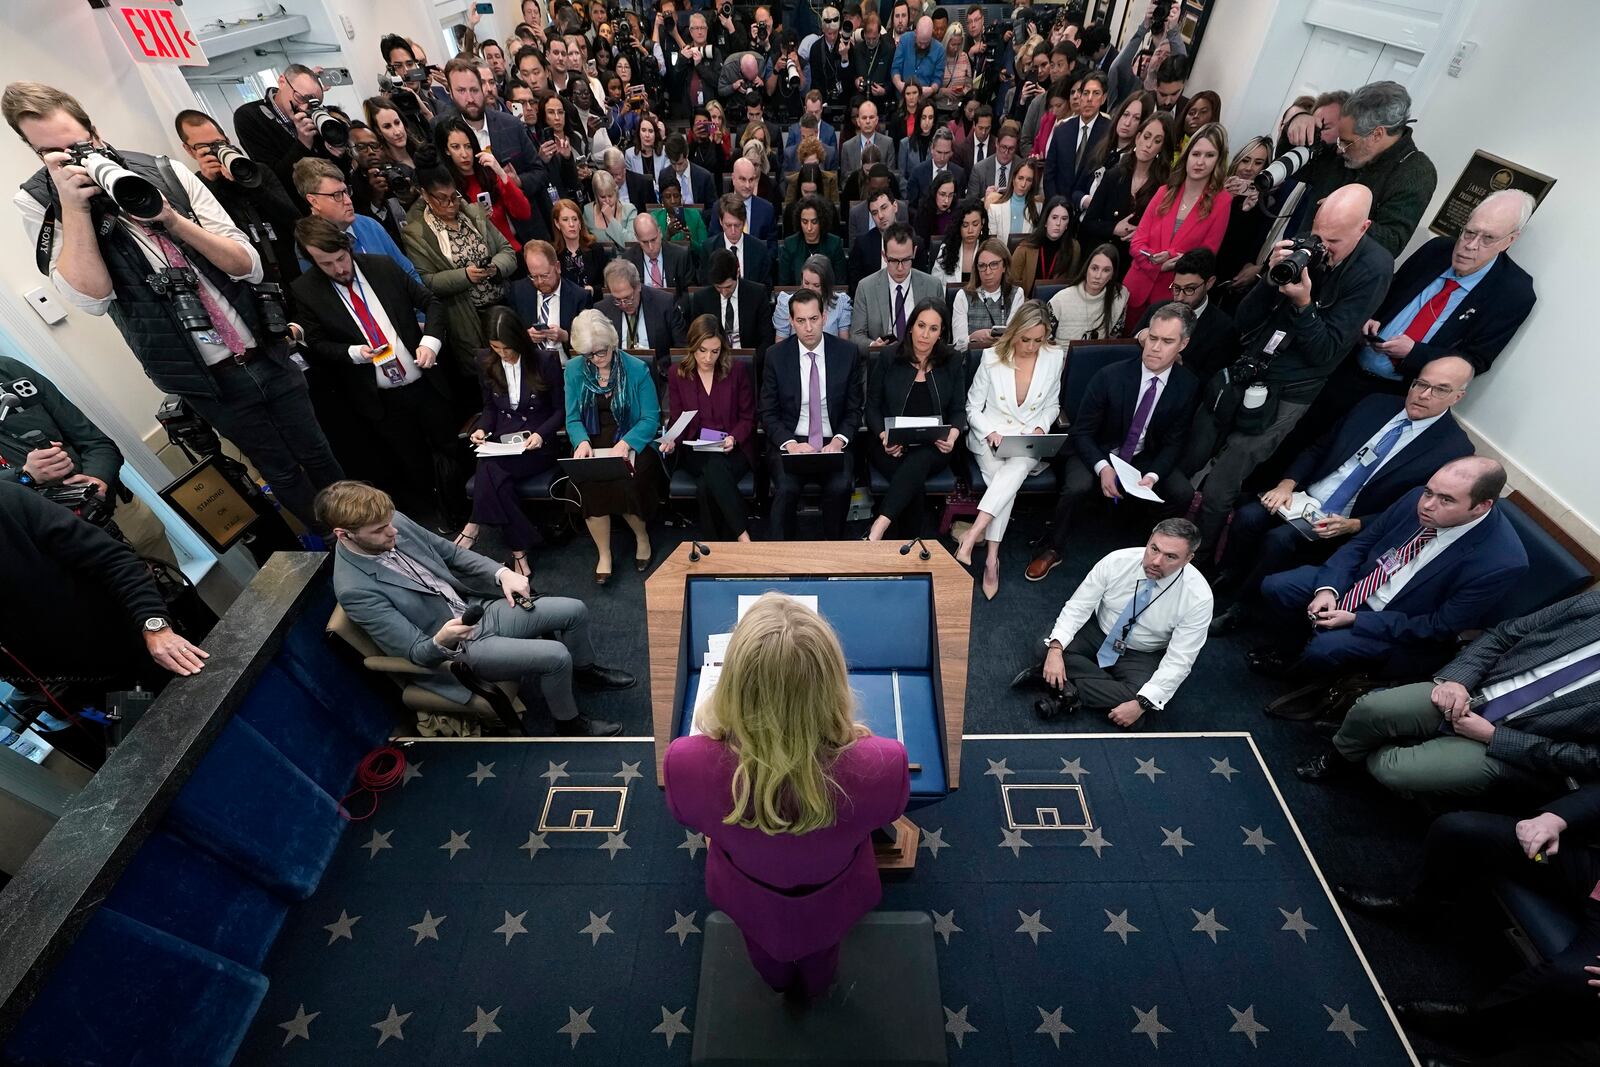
(664,594)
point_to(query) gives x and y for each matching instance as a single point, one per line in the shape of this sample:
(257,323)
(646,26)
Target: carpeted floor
(1356,831)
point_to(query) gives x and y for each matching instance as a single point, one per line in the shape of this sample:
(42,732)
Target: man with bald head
(919,56)
(1380,450)
(662,265)
(1294,335)
(1393,600)
(760,216)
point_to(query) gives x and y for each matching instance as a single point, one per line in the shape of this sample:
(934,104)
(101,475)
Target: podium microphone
(696,550)
(905,549)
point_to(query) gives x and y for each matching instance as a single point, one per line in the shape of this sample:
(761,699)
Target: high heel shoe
(642,563)
(469,539)
(601,577)
(520,565)
(991,581)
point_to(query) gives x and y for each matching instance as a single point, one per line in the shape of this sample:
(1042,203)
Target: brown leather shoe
(1043,564)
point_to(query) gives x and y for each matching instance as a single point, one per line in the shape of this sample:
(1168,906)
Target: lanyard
(1127,627)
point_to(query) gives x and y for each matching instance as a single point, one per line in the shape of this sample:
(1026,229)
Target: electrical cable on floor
(379,771)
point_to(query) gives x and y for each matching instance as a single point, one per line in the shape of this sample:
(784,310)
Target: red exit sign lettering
(157,32)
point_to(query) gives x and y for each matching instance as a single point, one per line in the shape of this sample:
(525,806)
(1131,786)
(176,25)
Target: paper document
(1129,477)
(706,446)
(748,602)
(910,422)
(709,676)
(498,448)
(1302,506)
(677,428)
(717,647)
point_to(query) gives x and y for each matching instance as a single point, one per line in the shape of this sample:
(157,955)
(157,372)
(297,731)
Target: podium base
(899,853)
(883,1008)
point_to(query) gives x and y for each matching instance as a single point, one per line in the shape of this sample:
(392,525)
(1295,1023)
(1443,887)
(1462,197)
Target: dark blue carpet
(474,938)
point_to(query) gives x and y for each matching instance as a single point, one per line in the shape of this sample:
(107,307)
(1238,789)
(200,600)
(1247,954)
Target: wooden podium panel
(664,596)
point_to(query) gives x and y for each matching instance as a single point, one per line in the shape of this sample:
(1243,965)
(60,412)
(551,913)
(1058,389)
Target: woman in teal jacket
(613,409)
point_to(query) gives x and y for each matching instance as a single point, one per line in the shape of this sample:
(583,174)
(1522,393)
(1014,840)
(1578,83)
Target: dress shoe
(1324,767)
(1043,564)
(1229,620)
(1376,902)
(1441,1017)
(1274,661)
(581,725)
(1028,677)
(595,676)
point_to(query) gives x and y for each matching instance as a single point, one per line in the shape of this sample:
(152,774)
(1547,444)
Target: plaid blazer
(1562,735)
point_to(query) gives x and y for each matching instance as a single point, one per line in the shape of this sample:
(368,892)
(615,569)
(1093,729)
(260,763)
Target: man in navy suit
(545,302)
(743,307)
(796,421)
(1394,597)
(1385,447)
(940,161)
(693,179)
(647,320)
(1074,139)
(662,264)
(754,258)
(1139,411)
(506,137)
(760,218)
(1465,297)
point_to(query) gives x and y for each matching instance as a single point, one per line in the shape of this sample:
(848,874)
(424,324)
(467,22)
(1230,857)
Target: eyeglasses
(830,22)
(1470,238)
(337,194)
(990,264)
(898,261)
(1181,291)
(596,353)
(1430,389)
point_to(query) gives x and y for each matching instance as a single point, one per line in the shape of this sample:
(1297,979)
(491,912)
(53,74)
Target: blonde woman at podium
(788,788)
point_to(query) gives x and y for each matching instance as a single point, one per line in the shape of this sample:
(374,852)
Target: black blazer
(889,382)
(1411,467)
(662,320)
(513,146)
(641,190)
(523,298)
(756,256)
(675,265)
(700,184)
(755,312)
(1482,324)
(1214,344)
(331,329)
(543,412)
(779,407)
(1103,419)
(1061,164)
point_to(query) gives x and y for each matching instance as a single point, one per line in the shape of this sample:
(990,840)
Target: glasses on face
(337,194)
(1471,238)
(989,264)
(898,261)
(1182,291)
(436,196)
(1430,389)
(596,354)
(830,22)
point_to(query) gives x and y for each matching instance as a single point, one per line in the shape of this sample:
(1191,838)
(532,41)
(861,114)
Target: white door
(1333,60)
(1396,64)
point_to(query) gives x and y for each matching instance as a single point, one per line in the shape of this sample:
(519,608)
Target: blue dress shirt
(1375,362)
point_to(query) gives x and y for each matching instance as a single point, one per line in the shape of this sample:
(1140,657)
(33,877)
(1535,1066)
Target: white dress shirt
(641,333)
(1544,670)
(1145,377)
(210,216)
(1174,619)
(1324,488)
(550,308)
(730,304)
(1386,592)
(658,262)
(375,308)
(802,427)
(513,371)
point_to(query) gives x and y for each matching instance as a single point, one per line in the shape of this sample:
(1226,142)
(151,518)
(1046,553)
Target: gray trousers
(1237,458)
(514,645)
(1103,688)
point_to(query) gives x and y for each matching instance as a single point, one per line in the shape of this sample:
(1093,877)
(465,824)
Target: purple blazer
(731,406)
(791,895)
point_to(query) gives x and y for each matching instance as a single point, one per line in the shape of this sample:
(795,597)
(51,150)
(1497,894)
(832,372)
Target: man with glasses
(829,60)
(884,300)
(264,212)
(646,320)
(328,196)
(545,302)
(278,132)
(1386,446)
(662,265)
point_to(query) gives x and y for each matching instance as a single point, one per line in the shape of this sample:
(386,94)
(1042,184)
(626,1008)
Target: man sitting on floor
(408,589)
(1394,597)
(1129,635)
(1519,704)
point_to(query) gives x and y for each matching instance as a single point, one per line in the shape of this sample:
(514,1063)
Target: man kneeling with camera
(1299,321)
(426,600)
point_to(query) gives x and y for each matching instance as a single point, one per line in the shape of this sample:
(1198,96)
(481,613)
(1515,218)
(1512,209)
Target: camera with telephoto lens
(180,286)
(399,180)
(245,172)
(331,128)
(1305,253)
(274,316)
(791,73)
(137,196)
(1287,165)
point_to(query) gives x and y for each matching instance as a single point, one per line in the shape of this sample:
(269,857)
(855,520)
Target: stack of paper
(674,431)
(746,602)
(499,448)
(710,675)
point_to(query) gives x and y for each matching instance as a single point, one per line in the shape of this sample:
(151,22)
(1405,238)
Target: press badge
(1388,563)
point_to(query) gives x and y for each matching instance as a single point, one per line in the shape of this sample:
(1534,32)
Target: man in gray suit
(995,172)
(1520,705)
(884,301)
(866,134)
(408,589)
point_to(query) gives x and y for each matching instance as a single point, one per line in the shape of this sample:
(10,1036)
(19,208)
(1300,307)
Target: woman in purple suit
(788,788)
(708,381)
(522,393)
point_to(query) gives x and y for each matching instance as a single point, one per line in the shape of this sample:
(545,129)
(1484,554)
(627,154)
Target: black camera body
(399,180)
(1305,253)
(274,315)
(180,287)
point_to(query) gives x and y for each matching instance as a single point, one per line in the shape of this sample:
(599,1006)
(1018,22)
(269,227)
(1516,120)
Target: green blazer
(793,253)
(697,229)
(644,404)
(441,275)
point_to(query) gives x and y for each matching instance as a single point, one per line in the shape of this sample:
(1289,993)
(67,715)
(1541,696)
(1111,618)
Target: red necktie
(1429,313)
(1363,590)
(369,325)
(655,273)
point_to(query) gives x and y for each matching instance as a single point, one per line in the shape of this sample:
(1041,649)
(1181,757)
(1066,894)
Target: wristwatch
(155,624)
(1144,702)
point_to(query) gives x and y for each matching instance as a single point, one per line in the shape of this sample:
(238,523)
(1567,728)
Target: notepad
(499,448)
(676,429)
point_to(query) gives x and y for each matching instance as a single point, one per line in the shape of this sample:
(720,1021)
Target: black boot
(1328,765)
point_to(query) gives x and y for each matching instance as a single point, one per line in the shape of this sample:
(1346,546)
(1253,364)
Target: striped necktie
(1388,564)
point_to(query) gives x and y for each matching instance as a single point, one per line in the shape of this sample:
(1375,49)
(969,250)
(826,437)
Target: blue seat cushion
(128,994)
(940,481)
(248,806)
(1553,572)
(1549,924)
(683,485)
(313,737)
(182,891)
(857,609)
(533,487)
(918,726)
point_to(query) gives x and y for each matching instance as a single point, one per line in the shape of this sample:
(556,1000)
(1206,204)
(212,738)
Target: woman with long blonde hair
(788,788)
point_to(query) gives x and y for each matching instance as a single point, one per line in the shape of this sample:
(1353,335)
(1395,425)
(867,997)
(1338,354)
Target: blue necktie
(1519,698)
(1108,653)
(1340,500)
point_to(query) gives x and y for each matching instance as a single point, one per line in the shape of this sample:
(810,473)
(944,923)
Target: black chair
(1553,572)
(1084,360)
(682,486)
(1045,290)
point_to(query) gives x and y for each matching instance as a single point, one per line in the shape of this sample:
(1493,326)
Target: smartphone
(1147,254)
(592,68)
(335,76)
(485,8)
(485,201)
(516,108)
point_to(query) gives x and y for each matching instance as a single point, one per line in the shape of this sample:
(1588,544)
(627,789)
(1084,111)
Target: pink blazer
(1148,284)
(791,895)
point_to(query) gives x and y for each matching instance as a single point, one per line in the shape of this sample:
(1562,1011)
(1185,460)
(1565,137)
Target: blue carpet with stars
(1125,900)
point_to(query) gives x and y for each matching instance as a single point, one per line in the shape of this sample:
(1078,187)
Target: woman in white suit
(1017,390)
(1015,210)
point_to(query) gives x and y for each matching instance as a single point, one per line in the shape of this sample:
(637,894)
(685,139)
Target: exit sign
(156,31)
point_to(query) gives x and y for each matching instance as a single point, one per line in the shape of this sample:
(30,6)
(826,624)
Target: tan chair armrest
(398,665)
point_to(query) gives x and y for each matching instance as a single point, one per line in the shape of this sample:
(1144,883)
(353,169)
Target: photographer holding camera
(251,194)
(1159,29)
(786,82)
(1300,320)
(829,61)
(132,236)
(740,84)
(291,124)
(870,58)
(45,441)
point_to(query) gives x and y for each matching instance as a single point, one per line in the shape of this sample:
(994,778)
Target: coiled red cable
(379,770)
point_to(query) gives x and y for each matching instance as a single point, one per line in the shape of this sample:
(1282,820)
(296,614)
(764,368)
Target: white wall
(1237,29)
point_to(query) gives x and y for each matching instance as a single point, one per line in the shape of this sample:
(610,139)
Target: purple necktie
(1141,415)
(899,311)
(1520,697)
(814,407)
